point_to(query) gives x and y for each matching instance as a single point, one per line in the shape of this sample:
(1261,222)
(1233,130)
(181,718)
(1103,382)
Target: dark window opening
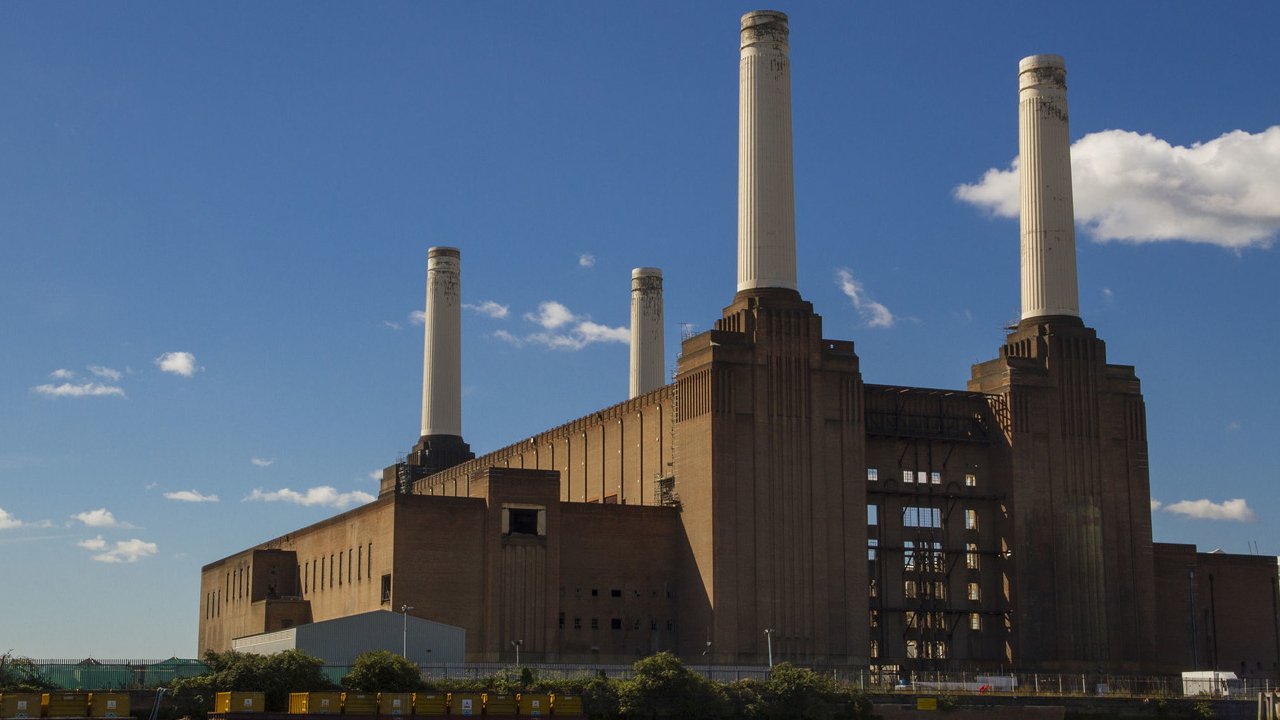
(595,623)
(615,624)
(595,592)
(577,623)
(561,621)
(522,521)
(615,593)
(386,588)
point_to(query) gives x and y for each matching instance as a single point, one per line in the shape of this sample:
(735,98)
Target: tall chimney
(647,353)
(1048,218)
(766,196)
(442,351)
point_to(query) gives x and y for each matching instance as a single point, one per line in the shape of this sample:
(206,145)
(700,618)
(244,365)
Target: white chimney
(647,350)
(1048,219)
(766,197)
(442,351)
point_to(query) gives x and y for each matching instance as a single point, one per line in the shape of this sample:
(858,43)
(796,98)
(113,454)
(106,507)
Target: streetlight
(768,635)
(516,644)
(404,635)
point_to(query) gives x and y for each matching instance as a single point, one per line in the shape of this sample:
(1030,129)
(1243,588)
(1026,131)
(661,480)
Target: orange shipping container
(359,703)
(240,702)
(20,705)
(398,704)
(108,704)
(65,704)
(431,704)
(315,703)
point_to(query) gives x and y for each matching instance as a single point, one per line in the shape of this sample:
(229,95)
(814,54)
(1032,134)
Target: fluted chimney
(1048,220)
(766,196)
(647,349)
(442,347)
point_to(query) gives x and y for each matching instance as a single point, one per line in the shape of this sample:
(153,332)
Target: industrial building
(769,496)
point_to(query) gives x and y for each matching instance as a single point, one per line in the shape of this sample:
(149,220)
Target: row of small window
(354,558)
(922,477)
(926,556)
(928,620)
(936,590)
(614,593)
(615,623)
(923,517)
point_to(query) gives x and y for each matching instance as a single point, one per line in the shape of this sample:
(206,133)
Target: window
(873,589)
(875,618)
(595,623)
(348,565)
(872,475)
(339,569)
(909,589)
(595,592)
(974,593)
(908,555)
(386,588)
(872,544)
(935,478)
(940,590)
(970,480)
(921,517)
(615,593)
(577,623)
(561,621)
(922,477)
(912,649)
(975,621)
(970,519)
(908,476)
(615,623)
(875,648)
(971,556)
(873,512)
(522,521)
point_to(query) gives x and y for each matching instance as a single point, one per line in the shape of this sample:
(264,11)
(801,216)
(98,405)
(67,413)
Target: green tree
(793,693)
(664,688)
(20,674)
(275,675)
(382,671)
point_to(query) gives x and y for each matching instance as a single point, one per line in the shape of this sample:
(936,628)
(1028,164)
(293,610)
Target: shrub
(382,671)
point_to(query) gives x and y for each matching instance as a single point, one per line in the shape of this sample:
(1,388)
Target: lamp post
(404,633)
(768,636)
(516,644)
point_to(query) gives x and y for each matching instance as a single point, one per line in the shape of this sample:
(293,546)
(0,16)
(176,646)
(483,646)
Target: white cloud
(418,317)
(93,543)
(1108,294)
(89,389)
(8,521)
(101,517)
(126,551)
(263,462)
(1156,504)
(392,325)
(178,363)
(190,496)
(572,331)
(874,313)
(586,260)
(62,374)
(105,372)
(1139,188)
(490,308)
(551,315)
(1236,509)
(1233,426)
(375,475)
(324,496)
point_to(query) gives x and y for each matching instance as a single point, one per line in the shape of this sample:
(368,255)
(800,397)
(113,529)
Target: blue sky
(214,221)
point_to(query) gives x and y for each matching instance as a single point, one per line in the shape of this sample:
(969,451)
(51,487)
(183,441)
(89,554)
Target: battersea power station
(770,498)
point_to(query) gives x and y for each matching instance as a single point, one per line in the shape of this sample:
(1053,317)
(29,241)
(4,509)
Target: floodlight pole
(404,633)
(516,644)
(768,634)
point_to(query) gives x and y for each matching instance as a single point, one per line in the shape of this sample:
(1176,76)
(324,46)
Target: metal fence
(143,674)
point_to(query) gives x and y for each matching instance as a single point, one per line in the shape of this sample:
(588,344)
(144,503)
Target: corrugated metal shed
(339,641)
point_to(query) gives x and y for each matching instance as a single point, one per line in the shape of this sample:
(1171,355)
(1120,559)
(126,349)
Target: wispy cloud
(324,496)
(1140,188)
(100,518)
(105,372)
(586,260)
(178,363)
(873,313)
(263,462)
(375,475)
(1236,509)
(417,317)
(392,325)
(490,308)
(564,329)
(190,496)
(124,551)
(89,389)
(1108,294)
(1233,426)
(1156,504)
(62,374)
